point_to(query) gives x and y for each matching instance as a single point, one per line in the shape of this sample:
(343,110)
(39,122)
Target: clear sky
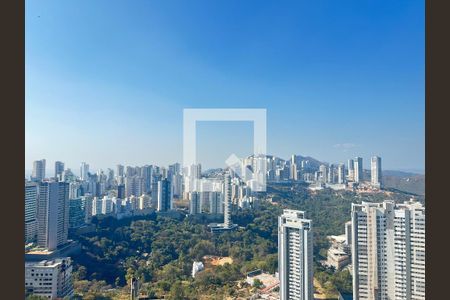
(107,81)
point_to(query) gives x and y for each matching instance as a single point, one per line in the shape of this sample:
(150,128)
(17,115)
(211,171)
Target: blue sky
(107,81)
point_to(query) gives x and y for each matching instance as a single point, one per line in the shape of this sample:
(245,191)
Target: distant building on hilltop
(375,171)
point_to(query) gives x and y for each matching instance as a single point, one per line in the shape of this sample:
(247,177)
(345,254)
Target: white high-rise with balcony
(375,171)
(38,173)
(388,251)
(227,200)
(52,214)
(358,169)
(295,256)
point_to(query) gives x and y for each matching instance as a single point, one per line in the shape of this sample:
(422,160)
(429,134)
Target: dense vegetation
(160,249)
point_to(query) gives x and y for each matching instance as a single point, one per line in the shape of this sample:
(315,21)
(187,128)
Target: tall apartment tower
(331,174)
(119,170)
(388,251)
(358,171)
(215,203)
(227,201)
(84,170)
(31,198)
(375,171)
(194,203)
(341,174)
(295,256)
(59,169)
(323,173)
(351,169)
(38,173)
(134,186)
(53,214)
(164,195)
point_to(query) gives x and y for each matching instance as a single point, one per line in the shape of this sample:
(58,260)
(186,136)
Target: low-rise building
(197,266)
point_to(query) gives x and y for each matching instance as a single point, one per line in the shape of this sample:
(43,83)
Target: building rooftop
(48,263)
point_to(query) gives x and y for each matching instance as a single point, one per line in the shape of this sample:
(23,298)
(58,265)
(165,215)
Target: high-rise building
(121,191)
(331,174)
(59,169)
(119,170)
(323,173)
(144,202)
(75,190)
(87,207)
(31,198)
(107,205)
(76,213)
(294,172)
(215,203)
(84,171)
(177,182)
(358,172)
(134,186)
(130,171)
(97,205)
(388,250)
(53,214)
(146,174)
(50,279)
(38,173)
(194,203)
(351,170)
(375,171)
(341,174)
(195,171)
(295,256)
(164,195)
(227,200)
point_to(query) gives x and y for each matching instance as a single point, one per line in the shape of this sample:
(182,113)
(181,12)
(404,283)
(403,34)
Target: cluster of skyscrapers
(337,176)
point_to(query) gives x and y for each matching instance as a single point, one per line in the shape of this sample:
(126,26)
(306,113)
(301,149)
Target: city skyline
(127,76)
(76,169)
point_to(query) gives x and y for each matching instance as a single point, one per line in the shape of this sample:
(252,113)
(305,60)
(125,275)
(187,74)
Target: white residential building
(227,201)
(295,256)
(144,201)
(53,214)
(375,171)
(84,171)
(51,279)
(341,174)
(388,251)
